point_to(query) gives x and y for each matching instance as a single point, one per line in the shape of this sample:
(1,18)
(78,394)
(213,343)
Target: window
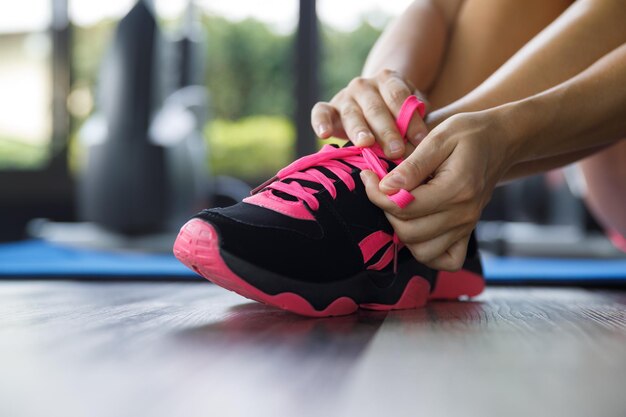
(26,85)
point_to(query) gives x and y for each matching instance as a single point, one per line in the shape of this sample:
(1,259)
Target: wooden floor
(140,349)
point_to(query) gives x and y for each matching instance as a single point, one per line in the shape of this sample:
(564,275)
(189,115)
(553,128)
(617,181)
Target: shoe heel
(452,285)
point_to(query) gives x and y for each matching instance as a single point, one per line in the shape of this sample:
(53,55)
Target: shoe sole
(453,285)
(197,247)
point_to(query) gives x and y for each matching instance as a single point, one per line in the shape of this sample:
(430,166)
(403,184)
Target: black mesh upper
(315,251)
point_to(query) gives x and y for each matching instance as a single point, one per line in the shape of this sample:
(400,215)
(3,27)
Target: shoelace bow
(339,161)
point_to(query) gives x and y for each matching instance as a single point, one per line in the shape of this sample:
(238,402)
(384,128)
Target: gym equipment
(145,161)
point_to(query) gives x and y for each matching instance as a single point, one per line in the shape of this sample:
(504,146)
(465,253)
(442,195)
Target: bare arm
(588,30)
(469,153)
(414,44)
(407,56)
(575,118)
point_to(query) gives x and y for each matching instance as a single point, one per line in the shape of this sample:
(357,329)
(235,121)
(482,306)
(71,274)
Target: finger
(375,195)
(325,121)
(414,209)
(382,122)
(412,229)
(430,251)
(423,99)
(417,130)
(354,124)
(452,259)
(417,167)
(426,252)
(394,92)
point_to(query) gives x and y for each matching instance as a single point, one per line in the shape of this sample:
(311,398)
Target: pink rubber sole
(197,247)
(452,285)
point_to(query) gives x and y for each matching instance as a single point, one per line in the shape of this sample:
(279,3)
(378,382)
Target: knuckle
(386,73)
(413,166)
(467,189)
(358,83)
(469,216)
(398,95)
(374,107)
(389,133)
(349,110)
(320,107)
(395,90)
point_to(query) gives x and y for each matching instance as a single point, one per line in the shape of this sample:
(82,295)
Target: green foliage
(249,69)
(16,154)
(251,147)
(250,76)
(343,56)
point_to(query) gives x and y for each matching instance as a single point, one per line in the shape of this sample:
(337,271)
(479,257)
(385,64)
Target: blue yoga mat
(40,259)
(43,260)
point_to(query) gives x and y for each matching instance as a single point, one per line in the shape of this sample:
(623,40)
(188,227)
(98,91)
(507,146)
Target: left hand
(464,157)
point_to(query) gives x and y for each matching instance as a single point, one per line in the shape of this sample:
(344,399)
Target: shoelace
(336,160)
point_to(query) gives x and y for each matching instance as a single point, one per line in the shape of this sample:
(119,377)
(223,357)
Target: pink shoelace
(370,158)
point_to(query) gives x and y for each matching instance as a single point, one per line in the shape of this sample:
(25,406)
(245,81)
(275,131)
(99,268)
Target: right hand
(364,112)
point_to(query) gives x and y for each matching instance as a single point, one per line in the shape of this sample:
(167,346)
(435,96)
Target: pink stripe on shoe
(384,260)
(373,243)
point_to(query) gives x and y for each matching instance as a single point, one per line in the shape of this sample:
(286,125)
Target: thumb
(416,168)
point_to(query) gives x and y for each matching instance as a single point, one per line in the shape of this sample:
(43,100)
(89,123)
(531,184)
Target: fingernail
(395,146)
(418,138)
(393,180)
(322,129)
(361,136)
(364,178)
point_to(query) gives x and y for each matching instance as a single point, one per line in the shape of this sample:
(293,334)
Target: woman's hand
(365,112)
(452,174)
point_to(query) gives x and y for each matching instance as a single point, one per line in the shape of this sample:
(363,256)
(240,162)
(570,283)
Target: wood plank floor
(140,349)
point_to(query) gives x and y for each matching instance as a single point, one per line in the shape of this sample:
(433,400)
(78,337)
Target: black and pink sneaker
(309,241)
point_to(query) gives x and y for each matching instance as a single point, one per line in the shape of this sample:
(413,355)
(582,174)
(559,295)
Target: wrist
(511,121)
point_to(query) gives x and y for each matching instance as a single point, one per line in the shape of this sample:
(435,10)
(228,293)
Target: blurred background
(122,118)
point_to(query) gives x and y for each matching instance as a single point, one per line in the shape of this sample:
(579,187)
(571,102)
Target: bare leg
(486,34)
(605,174)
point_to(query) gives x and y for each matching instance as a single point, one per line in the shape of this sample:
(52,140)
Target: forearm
(570,120)
(588,30)
(414,44)
(527,168)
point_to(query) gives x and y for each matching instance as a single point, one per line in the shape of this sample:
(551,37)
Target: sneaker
(309,241)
